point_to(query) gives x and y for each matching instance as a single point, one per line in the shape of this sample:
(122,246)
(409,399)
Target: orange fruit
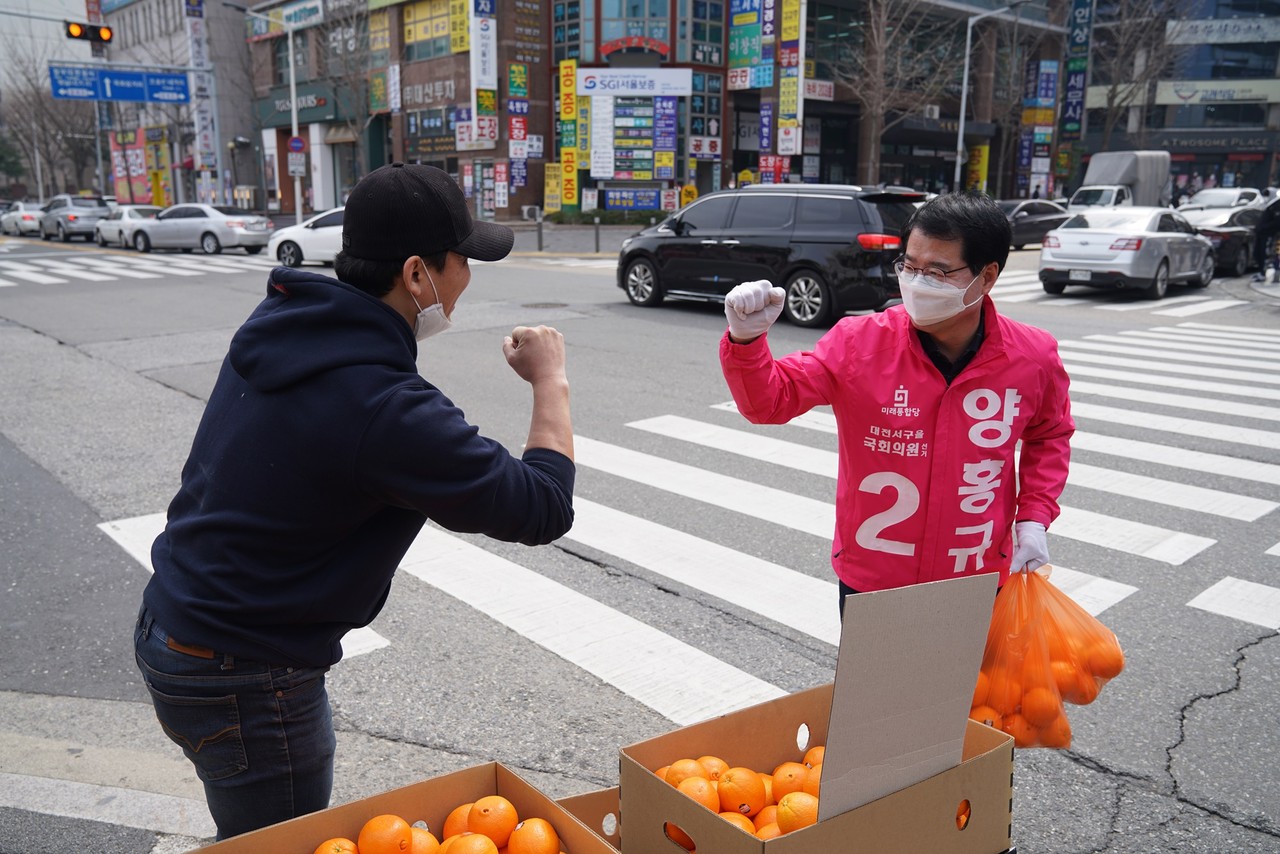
(678,836)
(796,810)
(1005,691)
(768,815)
(1024,734)
(986,715)
(1085,690)
(787,778)
(423,842)
(472,843)
(699,788)
(1057,733)
(814,755)
(1040,707)
(813,780)
(684,768)
(1064,676)
(337,845)
(714,766)
(769,831)
(1105,660)
(739,820)
(742,791)
(385,834)
(456,821)
(534,836)
(495,817)
(767,780)
(980,689)
(662,772)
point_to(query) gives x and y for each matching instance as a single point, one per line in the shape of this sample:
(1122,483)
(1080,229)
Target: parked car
(20,218)
(1222,197)
(209,228)
(117,227)
(1030,219)
(830,246)
(1232,232)
(69,216)
(318,239)
(1145,248)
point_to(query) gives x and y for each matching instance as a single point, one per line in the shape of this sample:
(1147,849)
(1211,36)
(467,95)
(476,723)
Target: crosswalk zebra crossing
(108,267)
(1026,287)
(687,684)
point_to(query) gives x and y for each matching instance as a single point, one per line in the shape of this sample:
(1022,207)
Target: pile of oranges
(489,825)
(763,803)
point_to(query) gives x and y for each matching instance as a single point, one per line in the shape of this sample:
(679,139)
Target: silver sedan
(1145,249)
(116,228)
(209,228)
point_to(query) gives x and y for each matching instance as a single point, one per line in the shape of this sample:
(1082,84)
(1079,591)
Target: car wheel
(1019,246)
(1240,261)
(124,241)
(641,283)
(289,254)
(807,301)
(141,242)
(62,234)
(1159,283)
(1054,288)
(252,250)
(43,234)
(1207,265)
(209,244)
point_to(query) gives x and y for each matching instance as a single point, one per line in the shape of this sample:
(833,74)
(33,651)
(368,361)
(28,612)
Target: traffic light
(88,32)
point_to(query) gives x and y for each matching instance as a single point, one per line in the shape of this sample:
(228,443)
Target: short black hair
(376,278)
(972,218)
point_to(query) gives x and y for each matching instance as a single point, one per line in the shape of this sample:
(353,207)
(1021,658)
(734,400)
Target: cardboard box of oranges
(903,769)
(430,801)
(600,811)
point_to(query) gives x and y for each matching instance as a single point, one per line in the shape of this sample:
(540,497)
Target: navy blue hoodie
(320,454)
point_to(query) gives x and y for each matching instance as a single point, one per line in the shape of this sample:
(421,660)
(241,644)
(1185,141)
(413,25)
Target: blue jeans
(260,736)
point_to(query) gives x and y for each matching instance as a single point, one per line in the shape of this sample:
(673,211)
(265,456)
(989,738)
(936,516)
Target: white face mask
(432,319)
(929,301)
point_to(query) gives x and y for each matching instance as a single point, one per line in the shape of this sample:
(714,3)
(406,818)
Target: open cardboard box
(905,770)
(429,801)
(599,810)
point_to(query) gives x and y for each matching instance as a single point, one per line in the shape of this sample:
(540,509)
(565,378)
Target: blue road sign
(85,83)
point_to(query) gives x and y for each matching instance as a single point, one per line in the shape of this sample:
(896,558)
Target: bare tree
(902,57)
(1130,51)
(345,66)
(1007,101)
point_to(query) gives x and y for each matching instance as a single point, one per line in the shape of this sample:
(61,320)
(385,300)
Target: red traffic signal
(88,32)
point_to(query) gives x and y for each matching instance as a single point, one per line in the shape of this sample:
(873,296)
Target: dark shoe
(1259,277)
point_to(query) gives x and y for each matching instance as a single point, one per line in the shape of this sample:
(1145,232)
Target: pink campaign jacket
(926,486)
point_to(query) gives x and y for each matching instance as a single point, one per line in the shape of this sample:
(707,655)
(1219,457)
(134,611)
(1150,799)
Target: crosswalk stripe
(1200,308)
(212,266)
(1073,359)
(1206,337)
(1080,370)
(63,268)
(19,270)
(1122,534)
(136,535)
(1180,426)
(817,419)
(1243,331)
(803,514)
(679,681)
(119,269)
(1144,304)
(1274,550)
(163,269)
(1180,401)
(783,595)
(1199,344)
(7,284)
(1241,600)
(1156,354)
(1090,592)
(1184,458)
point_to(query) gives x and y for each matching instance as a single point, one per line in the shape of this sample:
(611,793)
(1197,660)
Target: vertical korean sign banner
(484,73)
(569,132)
(791,78)
(1071,126)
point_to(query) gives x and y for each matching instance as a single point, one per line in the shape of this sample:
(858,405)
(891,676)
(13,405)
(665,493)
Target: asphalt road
(1171,538)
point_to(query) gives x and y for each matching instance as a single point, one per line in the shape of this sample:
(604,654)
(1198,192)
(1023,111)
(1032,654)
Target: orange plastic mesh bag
(1043,650)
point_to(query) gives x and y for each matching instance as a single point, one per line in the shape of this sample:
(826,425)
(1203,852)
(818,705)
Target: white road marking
(1179,426)
(1242,600)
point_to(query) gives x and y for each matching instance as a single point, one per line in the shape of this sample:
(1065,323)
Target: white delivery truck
(1116,178)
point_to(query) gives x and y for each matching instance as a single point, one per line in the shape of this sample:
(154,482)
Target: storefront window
(280,60)
(572,28)
(426,29)
(636,19)
(700,36)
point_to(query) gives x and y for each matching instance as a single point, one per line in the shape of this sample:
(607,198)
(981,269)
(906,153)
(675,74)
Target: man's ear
(989,275)
(412,278)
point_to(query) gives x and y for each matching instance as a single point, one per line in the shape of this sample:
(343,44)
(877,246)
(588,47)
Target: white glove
(1032,549)
(752,307)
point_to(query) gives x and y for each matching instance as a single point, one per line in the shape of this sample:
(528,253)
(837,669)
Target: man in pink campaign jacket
(931,401)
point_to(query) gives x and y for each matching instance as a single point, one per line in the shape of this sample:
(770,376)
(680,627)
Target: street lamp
(293,100)
(956,186)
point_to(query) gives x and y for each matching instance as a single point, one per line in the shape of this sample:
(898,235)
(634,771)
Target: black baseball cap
(403,209)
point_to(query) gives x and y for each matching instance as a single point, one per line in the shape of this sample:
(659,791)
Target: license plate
(1079,275)
(257,226)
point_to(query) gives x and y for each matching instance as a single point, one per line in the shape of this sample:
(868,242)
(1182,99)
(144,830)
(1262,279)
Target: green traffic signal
(88,32)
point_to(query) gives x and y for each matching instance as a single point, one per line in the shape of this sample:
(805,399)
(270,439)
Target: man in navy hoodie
(320,455)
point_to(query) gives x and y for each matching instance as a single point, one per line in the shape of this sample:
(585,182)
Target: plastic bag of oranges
(1042,650)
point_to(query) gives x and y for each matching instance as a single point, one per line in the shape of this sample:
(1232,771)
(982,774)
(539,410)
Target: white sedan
(117,227)
(317,240)
(1140,248)
(20,218)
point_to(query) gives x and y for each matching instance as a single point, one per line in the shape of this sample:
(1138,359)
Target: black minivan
(831,246)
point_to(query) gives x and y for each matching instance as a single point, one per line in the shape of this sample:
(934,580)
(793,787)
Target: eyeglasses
(900,266)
